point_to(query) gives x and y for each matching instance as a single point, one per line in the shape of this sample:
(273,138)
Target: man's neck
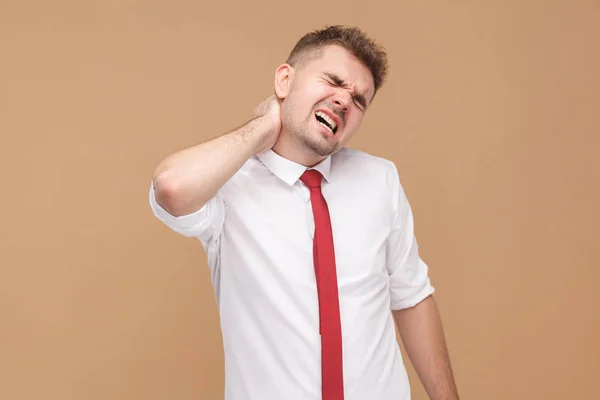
(287,148)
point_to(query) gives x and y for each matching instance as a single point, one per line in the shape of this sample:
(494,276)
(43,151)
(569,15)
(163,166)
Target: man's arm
(421,331)
(187,179)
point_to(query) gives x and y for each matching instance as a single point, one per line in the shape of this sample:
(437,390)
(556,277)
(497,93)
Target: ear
(283,79)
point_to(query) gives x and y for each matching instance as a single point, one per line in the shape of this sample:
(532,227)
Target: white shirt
(257,232)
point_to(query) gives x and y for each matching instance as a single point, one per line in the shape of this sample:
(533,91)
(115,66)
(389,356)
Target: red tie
(329,308)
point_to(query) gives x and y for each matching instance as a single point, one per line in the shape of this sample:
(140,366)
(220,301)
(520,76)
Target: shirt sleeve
(205,224)
(408,273)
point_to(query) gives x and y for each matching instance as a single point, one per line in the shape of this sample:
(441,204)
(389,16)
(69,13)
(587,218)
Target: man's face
(326,101)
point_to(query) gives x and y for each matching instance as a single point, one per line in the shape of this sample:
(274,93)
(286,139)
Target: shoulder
(363,159)
(362,164)
(370,178)
(250,170)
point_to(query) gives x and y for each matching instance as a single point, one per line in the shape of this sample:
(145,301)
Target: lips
(328,119)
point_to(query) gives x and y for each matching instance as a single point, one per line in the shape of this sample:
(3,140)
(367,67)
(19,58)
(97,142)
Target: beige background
(491,112)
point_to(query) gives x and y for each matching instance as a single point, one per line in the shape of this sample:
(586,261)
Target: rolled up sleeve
(205,224)
(408,273)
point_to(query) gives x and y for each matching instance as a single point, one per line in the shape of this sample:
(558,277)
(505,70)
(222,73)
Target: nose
(342,100)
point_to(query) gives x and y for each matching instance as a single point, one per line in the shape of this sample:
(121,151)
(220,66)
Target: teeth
(326,118)
(326,126)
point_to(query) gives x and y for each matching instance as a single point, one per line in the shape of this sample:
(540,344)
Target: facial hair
(307,138)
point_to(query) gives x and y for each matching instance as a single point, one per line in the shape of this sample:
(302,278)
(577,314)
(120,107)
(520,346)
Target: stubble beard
(317,146)
(311,142)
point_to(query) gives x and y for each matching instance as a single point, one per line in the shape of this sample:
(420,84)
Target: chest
(278,221)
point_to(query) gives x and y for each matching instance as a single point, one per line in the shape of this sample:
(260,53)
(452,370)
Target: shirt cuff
(190,225)
(412,300)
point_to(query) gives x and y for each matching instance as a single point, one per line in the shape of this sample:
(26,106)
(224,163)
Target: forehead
(339,61)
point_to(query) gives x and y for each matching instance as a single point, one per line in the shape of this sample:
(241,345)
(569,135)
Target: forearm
(422,334)
(187,179)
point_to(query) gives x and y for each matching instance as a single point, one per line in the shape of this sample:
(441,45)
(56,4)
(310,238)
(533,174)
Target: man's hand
(268,115)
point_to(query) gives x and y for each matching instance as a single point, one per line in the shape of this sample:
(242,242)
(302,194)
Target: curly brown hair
(371,54)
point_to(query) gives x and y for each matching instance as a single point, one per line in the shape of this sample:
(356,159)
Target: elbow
(167,192)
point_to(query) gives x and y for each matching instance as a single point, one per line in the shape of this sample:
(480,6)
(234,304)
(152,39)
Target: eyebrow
(360,98)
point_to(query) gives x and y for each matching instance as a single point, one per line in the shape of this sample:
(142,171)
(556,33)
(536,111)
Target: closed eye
(357,98)
(358,105)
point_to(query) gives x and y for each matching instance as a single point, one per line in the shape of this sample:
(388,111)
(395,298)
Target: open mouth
(326,121)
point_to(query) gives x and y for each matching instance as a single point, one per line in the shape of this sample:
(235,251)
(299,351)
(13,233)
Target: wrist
(255,133)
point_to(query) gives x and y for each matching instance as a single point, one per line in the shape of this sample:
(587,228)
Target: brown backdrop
(492,114)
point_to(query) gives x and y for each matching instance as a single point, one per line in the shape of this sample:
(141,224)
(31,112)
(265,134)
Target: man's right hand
(268,115)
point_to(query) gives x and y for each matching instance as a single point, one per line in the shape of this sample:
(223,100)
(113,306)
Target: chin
(319,148)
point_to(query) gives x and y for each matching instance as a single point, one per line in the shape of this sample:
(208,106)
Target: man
(310,244)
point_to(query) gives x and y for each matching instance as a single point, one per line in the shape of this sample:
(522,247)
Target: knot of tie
(312,179)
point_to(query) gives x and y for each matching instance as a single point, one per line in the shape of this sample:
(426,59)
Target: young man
(310,244)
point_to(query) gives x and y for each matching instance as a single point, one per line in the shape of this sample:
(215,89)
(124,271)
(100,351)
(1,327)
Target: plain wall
(491,113)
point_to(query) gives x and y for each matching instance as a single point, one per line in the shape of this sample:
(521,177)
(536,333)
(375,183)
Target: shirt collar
(290,171)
